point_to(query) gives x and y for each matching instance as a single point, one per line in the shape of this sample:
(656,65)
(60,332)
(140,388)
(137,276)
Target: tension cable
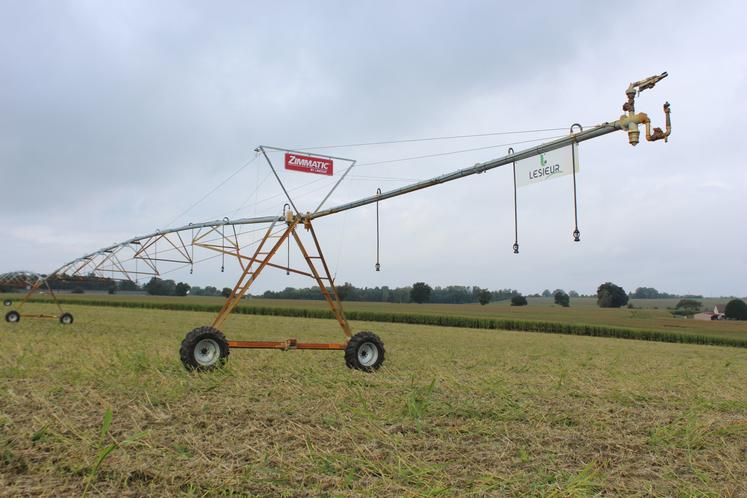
(431,139)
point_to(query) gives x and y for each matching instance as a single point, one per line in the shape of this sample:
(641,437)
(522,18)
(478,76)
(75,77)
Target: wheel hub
(368,353)
(207,352)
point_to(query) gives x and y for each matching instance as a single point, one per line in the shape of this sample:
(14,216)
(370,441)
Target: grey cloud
(116,117)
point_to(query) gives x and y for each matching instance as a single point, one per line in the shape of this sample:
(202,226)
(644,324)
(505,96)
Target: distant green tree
(546,293)
(226,292)
(689,306)
(646,293)
(736,309)
(158,287)
(562,298)
(519,300)
(345,290)
(484,296)
(421,292)
(181,289)
(573,293)
(210,291)
(610,295)
(128,285)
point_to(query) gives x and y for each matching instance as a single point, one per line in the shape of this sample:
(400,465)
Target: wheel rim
(13,317)
(368,353)
(207,352)
(67,319)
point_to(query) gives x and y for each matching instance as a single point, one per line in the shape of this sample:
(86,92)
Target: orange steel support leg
(54,297)
(333,298)
(248,277)
(30,292)
(34,289)
(259,261)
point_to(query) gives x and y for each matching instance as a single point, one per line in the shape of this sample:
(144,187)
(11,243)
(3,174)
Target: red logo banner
(308,164)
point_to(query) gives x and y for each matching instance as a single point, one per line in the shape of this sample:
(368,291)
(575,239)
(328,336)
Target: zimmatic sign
(308,164)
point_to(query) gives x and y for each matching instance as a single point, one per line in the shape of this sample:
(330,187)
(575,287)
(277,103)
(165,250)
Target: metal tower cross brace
(253,266)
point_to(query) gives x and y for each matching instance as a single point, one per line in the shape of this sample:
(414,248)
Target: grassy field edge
(433,320)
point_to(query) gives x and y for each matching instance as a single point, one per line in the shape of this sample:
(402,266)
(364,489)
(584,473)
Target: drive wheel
(204,349)
(365,351)
(12,317)
(66,319)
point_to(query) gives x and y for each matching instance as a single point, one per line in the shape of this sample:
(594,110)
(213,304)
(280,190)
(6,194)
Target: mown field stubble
(104,407)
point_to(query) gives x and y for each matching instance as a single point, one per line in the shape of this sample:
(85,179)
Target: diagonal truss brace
(318,270)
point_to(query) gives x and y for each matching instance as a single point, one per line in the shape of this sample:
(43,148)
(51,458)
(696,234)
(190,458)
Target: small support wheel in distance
(365,351)
(12,317)
(66,319)
(8,302)
(204,349)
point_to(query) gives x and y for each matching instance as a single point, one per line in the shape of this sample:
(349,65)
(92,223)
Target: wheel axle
(206,348)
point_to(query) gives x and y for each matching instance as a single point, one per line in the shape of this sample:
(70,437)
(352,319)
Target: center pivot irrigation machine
(255,249)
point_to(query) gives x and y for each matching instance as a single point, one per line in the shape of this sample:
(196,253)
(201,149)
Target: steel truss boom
(206,348)
(627,122)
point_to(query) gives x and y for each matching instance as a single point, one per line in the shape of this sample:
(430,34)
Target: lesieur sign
(308,164)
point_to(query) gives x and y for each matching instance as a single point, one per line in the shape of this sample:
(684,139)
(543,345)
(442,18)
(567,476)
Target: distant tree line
(82,283)
(420,292)
(651,293)
(608,295)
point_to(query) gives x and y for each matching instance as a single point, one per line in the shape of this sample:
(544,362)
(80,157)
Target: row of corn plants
(433,320)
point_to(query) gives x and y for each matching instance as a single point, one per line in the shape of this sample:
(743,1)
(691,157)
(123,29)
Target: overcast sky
(115,117)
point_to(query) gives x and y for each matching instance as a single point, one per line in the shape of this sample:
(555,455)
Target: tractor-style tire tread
(352,358)
(187,349)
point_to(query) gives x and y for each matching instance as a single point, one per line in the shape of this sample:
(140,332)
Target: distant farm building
(716,314)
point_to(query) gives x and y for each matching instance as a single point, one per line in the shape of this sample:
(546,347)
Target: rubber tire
(187,349)
(8,302)
(64,316)
(358,340)
(9,314)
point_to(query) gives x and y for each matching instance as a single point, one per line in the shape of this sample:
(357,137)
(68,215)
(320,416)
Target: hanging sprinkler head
(378,266)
